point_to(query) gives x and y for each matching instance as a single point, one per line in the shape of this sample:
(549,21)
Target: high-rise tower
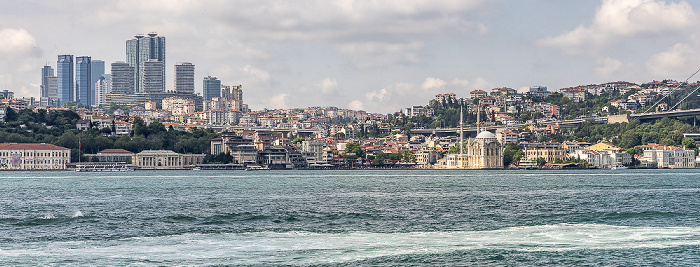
(46,71)
(184,77)
(122,78)
(84,88)
(212,88)
(141,49)
(65,86)
(97,71)
(153,76)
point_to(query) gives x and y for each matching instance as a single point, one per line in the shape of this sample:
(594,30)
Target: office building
(84,89)
(46,72)
(153,76)
(64,69)
(184,78)
(97,71)
(122,78)
(211,88)
(141,49)
(101,91)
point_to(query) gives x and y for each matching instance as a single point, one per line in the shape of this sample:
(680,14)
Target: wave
(319,248)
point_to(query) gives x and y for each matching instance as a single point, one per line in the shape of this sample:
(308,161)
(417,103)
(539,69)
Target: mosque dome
(486,135)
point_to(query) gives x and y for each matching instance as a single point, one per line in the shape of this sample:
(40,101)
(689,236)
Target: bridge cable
(679,85)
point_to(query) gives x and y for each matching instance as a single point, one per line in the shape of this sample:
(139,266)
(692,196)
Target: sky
(374,55)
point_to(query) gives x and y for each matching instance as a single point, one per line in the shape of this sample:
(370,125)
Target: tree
(298,140)
(541,161)
(408,156)
(353,151)
(509,154)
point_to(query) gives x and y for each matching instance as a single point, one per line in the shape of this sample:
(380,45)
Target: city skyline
(378,57)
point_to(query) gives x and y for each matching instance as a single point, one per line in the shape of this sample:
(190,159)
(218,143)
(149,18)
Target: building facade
(33,156)
(211,88)
(97,70)
(46,72)
(184,77)
(84,88)
(65,86)
(101,91)
(141,49)
(122,78)
(153,75)
(485,152)
(166,160)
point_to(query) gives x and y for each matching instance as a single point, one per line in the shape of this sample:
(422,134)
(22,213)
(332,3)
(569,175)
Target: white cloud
(372,54)
(626,18)
(433,84)
(328,86)
(356,105)
(679,60)
(607,66)
(16,41)
(378,95)
(260,75)
(278,101)
(394,97)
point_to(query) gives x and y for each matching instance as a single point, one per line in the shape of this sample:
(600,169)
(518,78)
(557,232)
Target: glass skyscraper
(84,88)
(46,71)
(212,88)
(97,71)
(64,70)
(141,49)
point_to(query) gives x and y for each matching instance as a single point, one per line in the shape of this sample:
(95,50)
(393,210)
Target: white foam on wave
(310,248)
(48,216)
(76,214)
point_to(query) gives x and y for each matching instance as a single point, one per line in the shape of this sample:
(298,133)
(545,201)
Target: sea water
(351,218)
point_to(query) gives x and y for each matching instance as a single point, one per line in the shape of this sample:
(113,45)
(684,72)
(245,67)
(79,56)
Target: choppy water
(350,218)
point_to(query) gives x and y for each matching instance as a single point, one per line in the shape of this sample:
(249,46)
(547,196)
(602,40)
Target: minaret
(478,117)
(461,137)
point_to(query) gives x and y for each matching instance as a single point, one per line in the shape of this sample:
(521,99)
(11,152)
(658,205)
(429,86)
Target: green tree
(509,154)
(408,156)
(541,161)
(353,151)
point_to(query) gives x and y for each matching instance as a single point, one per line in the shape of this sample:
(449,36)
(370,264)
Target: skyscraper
(153,76)
(97,71)
(46,71)
(65,86)
(141,49)
(212,88)
(101,91)
(122,78)
(84,89)
(184,77)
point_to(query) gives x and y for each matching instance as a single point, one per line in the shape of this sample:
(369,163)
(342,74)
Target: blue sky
(379,56)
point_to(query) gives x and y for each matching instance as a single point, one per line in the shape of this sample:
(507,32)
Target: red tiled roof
(31,146)
(115,151)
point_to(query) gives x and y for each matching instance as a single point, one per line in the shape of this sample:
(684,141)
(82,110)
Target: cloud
(16,41)
(433,83)
(377,95)
(258,74)
(607,66)
(372,54)
(394,97)
(278,101)
(328,86)
(616,19)
(356,105)
(681,59)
